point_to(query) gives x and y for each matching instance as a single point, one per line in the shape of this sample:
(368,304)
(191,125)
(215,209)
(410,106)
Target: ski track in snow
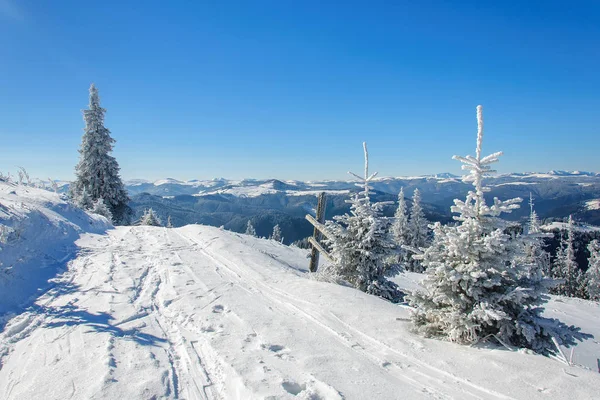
(158,313)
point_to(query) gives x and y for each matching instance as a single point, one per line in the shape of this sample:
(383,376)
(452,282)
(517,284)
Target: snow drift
(39,229)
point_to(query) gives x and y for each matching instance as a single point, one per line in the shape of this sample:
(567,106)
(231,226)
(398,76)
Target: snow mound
(39,229)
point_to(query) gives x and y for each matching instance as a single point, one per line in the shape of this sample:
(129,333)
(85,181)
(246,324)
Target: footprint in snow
(293,388)
(281,352)
(218,309)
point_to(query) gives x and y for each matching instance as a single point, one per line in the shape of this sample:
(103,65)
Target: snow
(315,192)
(202,313)
(592,204)
(516,183)
(43,228)
(563,226)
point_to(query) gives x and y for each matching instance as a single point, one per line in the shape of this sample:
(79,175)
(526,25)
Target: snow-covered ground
(592,204)
(201,313)
(564,225)
(39,230)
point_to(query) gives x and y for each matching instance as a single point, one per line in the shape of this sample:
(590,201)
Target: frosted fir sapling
(276,235)
(250,229)
(476,286)
(565,268)
(361,243)
(418,231)
(400,229)
(150,218)
(593,273)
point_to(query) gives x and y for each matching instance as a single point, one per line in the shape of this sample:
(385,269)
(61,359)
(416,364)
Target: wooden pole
(314,256)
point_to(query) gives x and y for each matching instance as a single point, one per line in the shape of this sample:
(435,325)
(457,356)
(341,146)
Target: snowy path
(198,313)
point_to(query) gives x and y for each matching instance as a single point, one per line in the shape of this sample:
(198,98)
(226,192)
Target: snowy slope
(40,231)
(201,313)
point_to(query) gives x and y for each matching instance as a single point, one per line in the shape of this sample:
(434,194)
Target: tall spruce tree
(565,267)
(400,228)
(418,228)
(97,173)
(475,286)
(593,273)
(361,244)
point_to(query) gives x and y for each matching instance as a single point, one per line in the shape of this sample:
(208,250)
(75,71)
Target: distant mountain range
(265,202)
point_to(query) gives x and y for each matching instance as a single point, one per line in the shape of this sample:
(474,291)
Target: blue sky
(290,89)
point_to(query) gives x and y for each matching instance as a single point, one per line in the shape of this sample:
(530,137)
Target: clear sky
(290,89)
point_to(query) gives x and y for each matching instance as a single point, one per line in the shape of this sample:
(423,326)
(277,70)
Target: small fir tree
(418,230)
(150,218)
(593,273)
(361,244)
(250,229)
(475,286)
(276,236)
(169,222)
(97,173)
(536,258)
(565,267)
(400,229)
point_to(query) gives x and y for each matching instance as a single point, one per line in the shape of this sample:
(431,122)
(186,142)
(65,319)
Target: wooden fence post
(314,256)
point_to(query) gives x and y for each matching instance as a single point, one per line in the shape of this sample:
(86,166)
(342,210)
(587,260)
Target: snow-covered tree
(418,230)
(361,244)
(100,208)
(400,228)
(250,229)
(150,218)
(97,171)
(169,223)
(83,200)
(592,275)
(475,286)
(536,258)
(276,236)
(566,268)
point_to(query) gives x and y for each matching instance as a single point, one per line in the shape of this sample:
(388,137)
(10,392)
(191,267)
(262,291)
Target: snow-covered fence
(317,234)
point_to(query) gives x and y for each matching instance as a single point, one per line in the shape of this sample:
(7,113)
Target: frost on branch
(477,285)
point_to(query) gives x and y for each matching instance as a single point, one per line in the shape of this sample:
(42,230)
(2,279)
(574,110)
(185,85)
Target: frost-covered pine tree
(536,258)
(475,286)
(250,229)
(592,275)
(150,218)
(169,223)
(276,236)
(100,208)
(361,244)
(97,172)
(566,268)
(400,228)
(418,227)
